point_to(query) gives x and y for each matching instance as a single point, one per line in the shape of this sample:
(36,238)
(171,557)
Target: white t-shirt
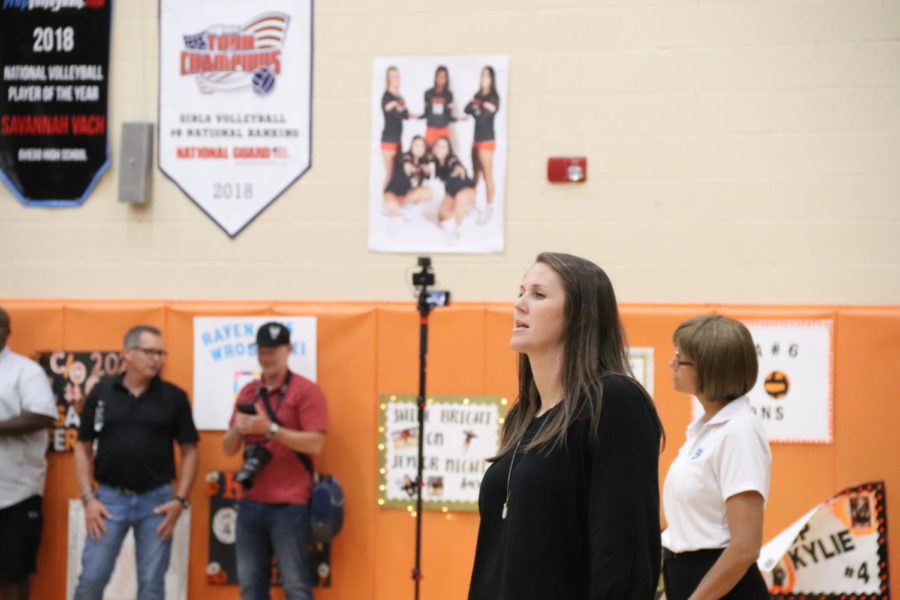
(23,388)
(725,456)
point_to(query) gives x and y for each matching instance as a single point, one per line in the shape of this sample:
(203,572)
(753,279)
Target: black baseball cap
(272,335)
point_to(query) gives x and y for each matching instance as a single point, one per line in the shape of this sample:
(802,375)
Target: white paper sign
(460,433)
(641,360)
(792,394)
(225,361)
(123,582)
(836,550)
(235,97)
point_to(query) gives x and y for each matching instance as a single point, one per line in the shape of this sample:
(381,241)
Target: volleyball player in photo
(439,108)
(459,189)
(407,185)
(483,107)
(395,111)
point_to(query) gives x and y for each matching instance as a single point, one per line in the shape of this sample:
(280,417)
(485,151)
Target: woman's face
(684,373)
(418,148)
(485,79)
(393,78)
(440,79)
(441,149)
(539,312)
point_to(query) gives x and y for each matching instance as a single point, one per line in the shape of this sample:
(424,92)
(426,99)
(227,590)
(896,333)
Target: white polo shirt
(23,388)
(725,456)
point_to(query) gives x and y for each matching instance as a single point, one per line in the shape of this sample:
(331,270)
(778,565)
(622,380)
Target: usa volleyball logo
(226,58)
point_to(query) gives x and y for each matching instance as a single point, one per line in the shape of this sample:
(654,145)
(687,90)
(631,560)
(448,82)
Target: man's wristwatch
(185,503)
(273,431)
(87,494)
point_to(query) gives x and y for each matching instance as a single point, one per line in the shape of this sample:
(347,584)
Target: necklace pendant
(503,514)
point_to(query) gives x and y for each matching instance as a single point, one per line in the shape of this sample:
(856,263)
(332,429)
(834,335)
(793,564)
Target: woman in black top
(459,189)
(406,187)
(439,108)
(395,111)
(483,107)
(570,506)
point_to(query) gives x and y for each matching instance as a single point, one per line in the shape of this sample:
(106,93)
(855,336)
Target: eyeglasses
(152,352)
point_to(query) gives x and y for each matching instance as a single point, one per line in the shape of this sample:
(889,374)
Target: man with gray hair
(27,409)
(133,418)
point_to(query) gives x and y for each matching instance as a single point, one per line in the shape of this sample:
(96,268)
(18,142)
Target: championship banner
(235,98)
(54,56)
(792,395)
(123,582)
(460,433)
(72,376)
(225,361)
(836,551)
(221,568)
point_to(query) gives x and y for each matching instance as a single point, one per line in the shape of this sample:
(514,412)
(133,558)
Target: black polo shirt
(134,444)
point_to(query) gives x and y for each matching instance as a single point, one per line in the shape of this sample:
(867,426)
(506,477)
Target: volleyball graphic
(263,81)
(777,384)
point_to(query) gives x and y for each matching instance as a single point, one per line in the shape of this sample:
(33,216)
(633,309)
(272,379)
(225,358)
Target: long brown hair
(594,345)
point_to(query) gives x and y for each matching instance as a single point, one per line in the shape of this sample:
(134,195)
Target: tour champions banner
(235,97)
(792,394)
(836,551)
(225,361)
(54,57)
(72,376)
(461,432)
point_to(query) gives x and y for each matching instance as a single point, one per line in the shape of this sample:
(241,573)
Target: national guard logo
(230,57)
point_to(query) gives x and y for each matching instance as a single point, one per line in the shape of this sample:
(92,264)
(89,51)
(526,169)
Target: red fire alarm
(567,169)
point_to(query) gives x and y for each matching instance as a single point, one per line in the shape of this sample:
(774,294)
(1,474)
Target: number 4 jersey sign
(235,102)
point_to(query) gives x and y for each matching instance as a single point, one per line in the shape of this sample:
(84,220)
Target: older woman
(570,506)
(716,488)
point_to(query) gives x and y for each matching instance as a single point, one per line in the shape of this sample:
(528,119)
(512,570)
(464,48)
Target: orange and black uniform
(483,107)
(453,183)
(401,181)
(438,114)
(394,109)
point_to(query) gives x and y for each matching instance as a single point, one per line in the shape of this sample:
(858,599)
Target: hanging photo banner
(235,97)
(72,377)
(437,164)
(836,551)
(225,361)
(461,432)
(54,59)
(792,394)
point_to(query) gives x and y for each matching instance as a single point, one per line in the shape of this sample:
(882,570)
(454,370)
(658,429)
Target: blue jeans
(127,510)
(263,528)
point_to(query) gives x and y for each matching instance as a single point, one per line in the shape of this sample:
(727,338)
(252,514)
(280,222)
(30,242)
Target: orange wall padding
(365,349)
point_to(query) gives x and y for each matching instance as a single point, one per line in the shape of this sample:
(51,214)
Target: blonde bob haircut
(724,355)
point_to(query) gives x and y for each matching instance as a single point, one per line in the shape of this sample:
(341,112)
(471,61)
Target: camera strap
(263,393)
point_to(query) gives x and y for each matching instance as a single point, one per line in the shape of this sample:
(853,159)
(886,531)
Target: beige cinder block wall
(739,151)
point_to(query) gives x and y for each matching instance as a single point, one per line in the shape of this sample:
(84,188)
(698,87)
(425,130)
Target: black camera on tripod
(422,280)
(255,455)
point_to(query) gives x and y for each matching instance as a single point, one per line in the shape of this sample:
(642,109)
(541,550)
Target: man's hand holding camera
(257,424)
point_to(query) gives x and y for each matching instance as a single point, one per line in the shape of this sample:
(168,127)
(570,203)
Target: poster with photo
(72,376)
(225,361)
(438,153)
(461,432)
(235,98)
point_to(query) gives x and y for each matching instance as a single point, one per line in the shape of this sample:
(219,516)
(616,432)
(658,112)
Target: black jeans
(682,574)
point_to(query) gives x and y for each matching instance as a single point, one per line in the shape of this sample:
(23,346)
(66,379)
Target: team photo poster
(437,178)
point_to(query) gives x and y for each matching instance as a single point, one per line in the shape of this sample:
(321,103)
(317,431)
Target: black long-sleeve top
(438,108)
(483,107)
(582,522)
(394,109)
